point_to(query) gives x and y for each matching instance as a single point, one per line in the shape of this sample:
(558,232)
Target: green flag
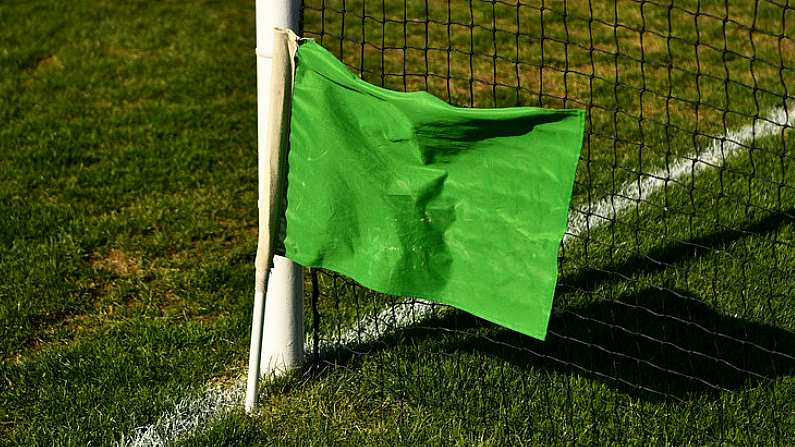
(410,196)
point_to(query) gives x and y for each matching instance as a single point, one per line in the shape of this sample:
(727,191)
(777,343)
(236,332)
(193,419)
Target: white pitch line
(190,413)
(375,326)
(722,148)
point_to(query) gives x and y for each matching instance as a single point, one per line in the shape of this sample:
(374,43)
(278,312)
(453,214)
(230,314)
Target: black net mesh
(673,318)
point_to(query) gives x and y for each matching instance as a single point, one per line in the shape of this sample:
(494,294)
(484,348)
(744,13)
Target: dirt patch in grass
(118,262)
(125,53)
(49,63)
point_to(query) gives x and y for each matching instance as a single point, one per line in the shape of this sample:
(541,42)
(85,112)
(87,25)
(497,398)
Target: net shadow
(660,258)
(655,343)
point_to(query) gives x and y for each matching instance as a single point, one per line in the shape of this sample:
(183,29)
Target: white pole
(283,338)
(277,324)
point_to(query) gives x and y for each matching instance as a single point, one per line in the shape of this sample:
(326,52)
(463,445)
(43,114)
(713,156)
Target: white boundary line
(191,412)
(722,148)
(188,414)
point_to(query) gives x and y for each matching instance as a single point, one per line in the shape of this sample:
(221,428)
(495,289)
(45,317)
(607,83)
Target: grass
(127,228)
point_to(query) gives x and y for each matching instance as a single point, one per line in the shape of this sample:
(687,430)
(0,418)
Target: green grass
(127,230)
(128,223)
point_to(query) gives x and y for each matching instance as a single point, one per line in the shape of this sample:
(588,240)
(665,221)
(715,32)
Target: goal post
(277,327)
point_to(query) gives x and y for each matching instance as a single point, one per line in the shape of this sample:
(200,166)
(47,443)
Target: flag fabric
(410,196)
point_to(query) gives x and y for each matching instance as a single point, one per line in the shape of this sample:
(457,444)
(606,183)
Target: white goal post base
(283,329)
